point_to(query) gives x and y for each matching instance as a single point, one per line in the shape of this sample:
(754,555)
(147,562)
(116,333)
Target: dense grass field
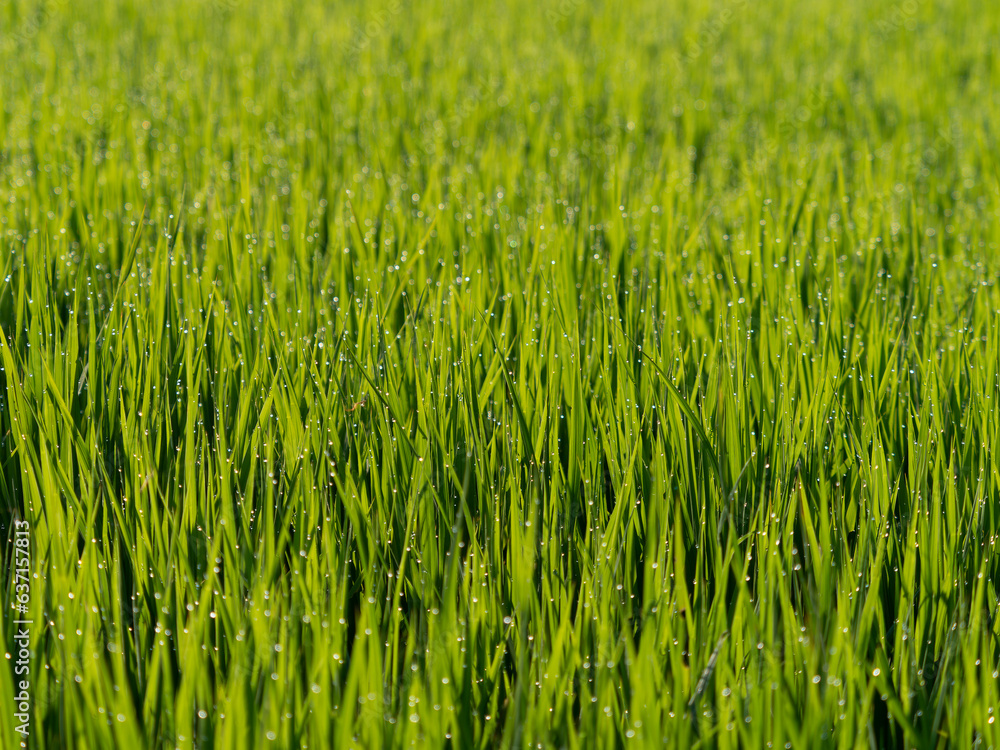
(478,375)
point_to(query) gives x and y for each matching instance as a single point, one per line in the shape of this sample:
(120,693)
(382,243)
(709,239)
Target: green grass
(475,375)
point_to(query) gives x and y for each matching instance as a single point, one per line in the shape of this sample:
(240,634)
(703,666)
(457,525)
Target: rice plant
(563,374)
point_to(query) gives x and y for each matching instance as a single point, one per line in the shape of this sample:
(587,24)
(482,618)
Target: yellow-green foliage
(454,374)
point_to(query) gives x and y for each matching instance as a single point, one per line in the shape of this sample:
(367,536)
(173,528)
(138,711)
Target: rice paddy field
(508,374)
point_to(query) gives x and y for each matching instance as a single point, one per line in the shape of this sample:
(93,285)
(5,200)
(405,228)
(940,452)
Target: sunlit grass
(460,375)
